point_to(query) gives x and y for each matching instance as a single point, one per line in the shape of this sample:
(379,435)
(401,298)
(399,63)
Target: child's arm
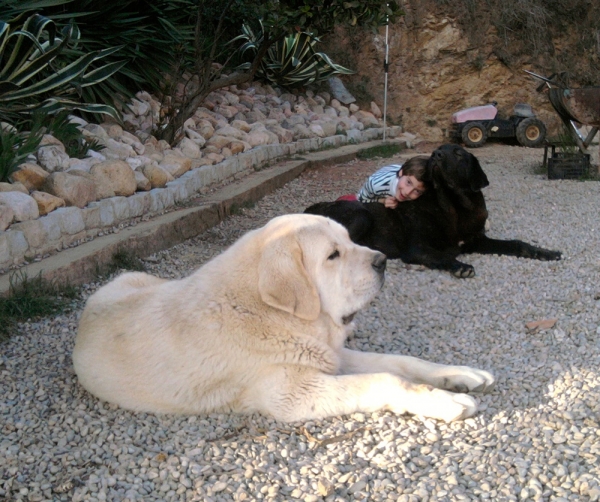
(390,202)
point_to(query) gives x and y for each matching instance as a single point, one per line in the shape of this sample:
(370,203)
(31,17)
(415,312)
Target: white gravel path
(537,436)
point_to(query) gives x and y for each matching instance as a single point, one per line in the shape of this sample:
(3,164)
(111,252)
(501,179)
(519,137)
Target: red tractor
(473,126)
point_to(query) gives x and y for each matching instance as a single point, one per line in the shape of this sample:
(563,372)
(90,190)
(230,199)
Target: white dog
(261,327)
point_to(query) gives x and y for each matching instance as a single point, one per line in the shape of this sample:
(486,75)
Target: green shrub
(382,151)
(31,298)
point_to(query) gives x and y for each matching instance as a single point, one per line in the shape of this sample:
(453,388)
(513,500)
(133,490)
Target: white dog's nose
(379,263)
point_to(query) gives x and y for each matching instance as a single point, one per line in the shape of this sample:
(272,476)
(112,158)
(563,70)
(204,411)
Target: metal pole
(385,69)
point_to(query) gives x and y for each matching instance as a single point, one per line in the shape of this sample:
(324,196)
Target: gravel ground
(536,437)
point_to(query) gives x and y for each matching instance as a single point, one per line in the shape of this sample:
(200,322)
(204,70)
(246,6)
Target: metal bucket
(581,104)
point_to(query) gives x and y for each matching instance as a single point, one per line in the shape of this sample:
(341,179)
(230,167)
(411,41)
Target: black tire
(474,134)
(531,132)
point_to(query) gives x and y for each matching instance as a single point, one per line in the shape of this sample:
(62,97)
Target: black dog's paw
(462,270)
(552,255)
(545,254)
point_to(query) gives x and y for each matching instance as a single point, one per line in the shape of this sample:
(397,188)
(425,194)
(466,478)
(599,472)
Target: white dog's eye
(334,255)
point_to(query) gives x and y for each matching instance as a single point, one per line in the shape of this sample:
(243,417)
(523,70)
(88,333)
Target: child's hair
(417,167)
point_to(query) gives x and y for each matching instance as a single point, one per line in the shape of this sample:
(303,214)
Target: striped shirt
(381,184)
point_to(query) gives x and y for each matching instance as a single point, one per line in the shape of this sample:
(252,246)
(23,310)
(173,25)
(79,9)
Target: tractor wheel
(474,134)
(531,132)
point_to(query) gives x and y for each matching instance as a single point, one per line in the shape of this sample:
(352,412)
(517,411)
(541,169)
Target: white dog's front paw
(440,404)
(450,407)
(466,379)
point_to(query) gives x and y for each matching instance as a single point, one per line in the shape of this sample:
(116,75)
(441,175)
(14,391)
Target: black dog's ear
(477,178)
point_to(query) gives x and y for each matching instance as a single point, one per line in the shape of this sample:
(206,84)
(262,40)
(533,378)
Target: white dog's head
(309,265)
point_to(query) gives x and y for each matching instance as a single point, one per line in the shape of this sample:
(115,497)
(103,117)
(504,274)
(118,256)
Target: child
(396,183)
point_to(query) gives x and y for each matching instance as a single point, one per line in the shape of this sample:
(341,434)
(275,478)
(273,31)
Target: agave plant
(290,62)
(32,76)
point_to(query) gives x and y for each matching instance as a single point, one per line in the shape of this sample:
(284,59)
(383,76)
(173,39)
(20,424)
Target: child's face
(409,188)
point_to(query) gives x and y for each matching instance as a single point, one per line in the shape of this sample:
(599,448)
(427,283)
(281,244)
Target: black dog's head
(452,166)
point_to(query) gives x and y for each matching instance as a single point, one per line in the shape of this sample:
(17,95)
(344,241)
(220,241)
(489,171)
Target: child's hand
(390,202)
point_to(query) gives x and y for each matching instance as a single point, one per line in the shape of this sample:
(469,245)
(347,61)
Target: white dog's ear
(283,281)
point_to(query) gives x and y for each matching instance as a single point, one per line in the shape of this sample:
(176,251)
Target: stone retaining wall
(32,240)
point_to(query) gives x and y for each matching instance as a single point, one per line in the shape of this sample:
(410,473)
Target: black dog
(434,229)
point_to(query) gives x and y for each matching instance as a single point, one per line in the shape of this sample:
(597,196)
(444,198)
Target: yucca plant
(68,133)
(290,62)
(33,77)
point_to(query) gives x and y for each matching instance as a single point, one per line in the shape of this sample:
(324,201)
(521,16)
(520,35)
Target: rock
(138,107)
(339,91)
(162,146)
(157,176)
(117,150)
(325,96)
(238,147)
(219,141)
(143,183)
(231,132)
(23,206)
(255,116)
(317,130)
(205,129)
(113,130)
(283,135)
(48,139)
(47,202)
(131,140)
(242,125)
(195,137)
(117,174)
(292,121)
(84,164)
(176,166)
(189,148)
(95,131)
(7,216)
(226,111)
(330,111)
(329,127)
(300,131)
(375,110)
(257,138)
(353,134)
(286,96)
(215,158)
(13,187)
(366,118)
(29,174)
(189,123)
(343,111)
(277,115)
(53,158)
(75,190)
(139,161)
(231,98)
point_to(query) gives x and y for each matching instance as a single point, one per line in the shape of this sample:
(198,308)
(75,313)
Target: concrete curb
(78,265)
